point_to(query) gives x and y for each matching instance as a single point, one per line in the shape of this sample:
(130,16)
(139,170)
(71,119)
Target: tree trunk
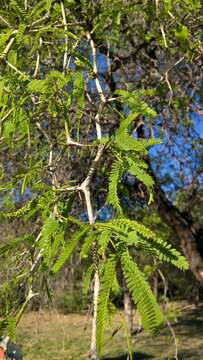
(181,227)
(170,214)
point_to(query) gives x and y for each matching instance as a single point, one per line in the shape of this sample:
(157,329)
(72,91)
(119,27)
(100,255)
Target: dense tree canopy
(100,112)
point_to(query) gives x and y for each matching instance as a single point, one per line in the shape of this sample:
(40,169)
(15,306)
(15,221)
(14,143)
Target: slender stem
(164,35)
(95,69)
(6,115)
(15,68)
(8,47)
(3,20)
(38,60)
(65,58)
(85,188)
(167,321)
(36,22)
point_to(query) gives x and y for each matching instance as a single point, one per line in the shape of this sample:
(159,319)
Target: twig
(70,141)
(5,21)
(43,132)
(97,122)
(167,321)
(176,63)
(74,47)
(36,22)
(108,58)
(169,86)
(65,58)
(174,338)
(85,184)
(95,70)
(38,59)
(15,68)
(8,47)
(6,115)
(164,282)
(29,297)
(157,7)
(164,35)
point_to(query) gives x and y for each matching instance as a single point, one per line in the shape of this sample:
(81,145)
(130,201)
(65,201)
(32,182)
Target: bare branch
(37,22)
(38,60)
(6,115)
(8,47)
(169,86)
(95,70)
(15,68)
(5,22)
(65,58)
(85,184)
(164,35)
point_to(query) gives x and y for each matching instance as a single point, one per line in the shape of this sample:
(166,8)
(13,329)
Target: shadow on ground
(136,356)
(191,322)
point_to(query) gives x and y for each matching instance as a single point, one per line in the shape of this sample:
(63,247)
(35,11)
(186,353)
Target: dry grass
(49,335)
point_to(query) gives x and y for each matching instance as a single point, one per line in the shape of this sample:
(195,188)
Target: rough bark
(188,238)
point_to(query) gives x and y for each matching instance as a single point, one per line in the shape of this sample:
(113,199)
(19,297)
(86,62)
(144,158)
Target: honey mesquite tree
(80,81)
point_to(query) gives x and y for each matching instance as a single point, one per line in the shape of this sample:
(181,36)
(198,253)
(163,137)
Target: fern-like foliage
(69,248)
(135,234)
(102,312)
(129,150)
(142,295)
(87,279)
(114,179)
(48,230)
(87,245)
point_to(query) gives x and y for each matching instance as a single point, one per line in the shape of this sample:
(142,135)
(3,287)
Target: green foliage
(47,233)
(114,179)
(69,248)
(87,279)
(142,295)
(48,116)
(104,295)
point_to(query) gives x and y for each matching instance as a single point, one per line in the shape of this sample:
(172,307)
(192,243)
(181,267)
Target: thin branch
(164,282)
(29,297)
(70,141)
(15,68)
(95,69)
(38,59)
(36,22)
(5,21)
(8,47)
(85,184)
(174,339)
(65,58)
(43,132)
(157,7)
(169,86)
(74,47)
(167,321)
(164,35)
(176,63)
(6,115)
(108,58)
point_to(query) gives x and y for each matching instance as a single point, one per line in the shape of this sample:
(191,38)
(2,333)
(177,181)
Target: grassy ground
(49,335)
